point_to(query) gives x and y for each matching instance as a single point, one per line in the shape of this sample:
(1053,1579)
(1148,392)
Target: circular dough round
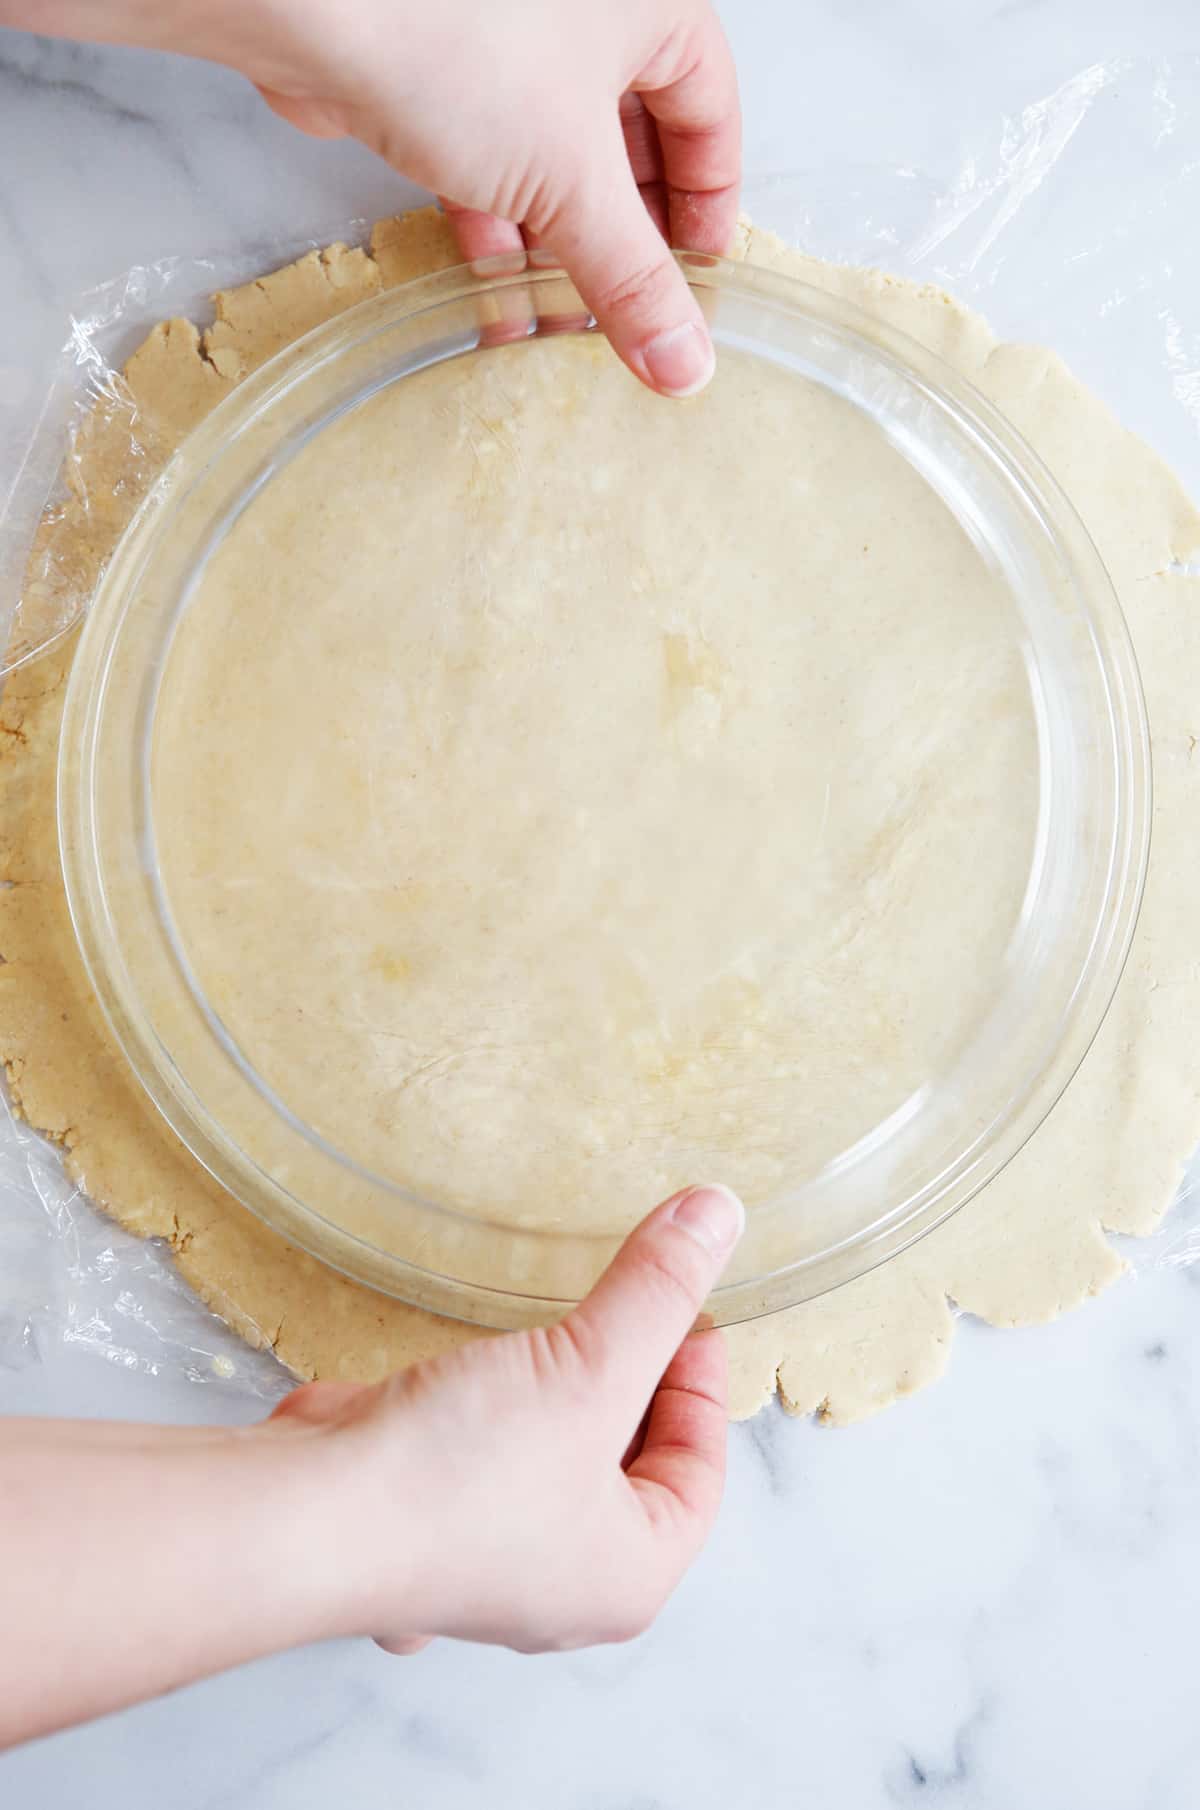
(1032,1245)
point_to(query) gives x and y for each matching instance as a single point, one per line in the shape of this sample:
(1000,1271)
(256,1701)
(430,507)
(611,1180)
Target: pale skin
(587,131)
(541,1491)
(546,1489)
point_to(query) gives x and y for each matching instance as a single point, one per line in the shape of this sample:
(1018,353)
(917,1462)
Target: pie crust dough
(613,835)
(1033,1245)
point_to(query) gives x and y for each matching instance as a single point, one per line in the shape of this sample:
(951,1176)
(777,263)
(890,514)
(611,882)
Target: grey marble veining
(988,1596)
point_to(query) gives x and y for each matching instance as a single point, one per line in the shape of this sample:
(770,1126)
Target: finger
(505,314)
(633,1450)
(645,157)
(318,1402)
(642,146)
(692,94)
(605,239)
(552,318)
(645,1304)
(407,1646)
(483,235)
(679,1473)
(654,200)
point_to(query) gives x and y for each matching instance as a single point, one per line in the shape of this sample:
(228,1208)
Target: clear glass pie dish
(491,797)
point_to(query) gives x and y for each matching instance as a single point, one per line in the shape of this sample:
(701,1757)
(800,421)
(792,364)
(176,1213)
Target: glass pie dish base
(491,798)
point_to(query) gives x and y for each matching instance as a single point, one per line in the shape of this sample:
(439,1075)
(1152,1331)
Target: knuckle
(639,290)
(680,49)
(711,176)
(665,1277)
(565,1350)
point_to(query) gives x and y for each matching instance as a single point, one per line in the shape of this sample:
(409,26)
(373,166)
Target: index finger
(693,96)
(679,1474)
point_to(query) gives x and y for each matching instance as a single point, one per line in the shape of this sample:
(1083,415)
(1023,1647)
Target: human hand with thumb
(540,1490)
(596,132)
(546,1489)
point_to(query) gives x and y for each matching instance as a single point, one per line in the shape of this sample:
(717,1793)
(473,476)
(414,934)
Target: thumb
(607,243)
(647,1300)
(320,1402)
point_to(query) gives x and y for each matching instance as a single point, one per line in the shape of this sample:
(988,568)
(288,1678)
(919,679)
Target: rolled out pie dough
(1031,1246)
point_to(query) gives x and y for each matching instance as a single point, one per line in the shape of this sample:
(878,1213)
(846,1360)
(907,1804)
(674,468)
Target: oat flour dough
(1031,1246)
(613,842)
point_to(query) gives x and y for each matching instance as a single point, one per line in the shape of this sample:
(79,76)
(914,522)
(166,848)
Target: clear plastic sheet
(1070,224)
(54,533)
(69,1275)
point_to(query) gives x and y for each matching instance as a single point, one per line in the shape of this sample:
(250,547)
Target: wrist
(352,1540)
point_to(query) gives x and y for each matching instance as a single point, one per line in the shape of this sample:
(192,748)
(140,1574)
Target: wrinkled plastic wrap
(54,532)
(69,1275)
(1071,224)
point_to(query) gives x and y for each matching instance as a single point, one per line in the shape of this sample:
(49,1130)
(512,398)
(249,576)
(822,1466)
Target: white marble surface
(987,1597)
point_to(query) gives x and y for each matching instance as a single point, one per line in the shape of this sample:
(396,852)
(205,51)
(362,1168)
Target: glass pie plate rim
(90,791)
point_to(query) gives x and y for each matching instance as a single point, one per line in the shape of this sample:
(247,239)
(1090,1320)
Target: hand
(547,1489)
(541,1490)
(588,127)
(591,130)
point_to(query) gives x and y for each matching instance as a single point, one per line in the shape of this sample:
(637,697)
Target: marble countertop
(986,1597)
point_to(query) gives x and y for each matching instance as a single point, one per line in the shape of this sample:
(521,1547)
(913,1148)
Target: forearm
(232,32)
(112,21)
(134,1559)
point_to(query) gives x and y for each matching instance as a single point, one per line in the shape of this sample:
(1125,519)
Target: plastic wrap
(69,1275)
(1070,224)
(55,534)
